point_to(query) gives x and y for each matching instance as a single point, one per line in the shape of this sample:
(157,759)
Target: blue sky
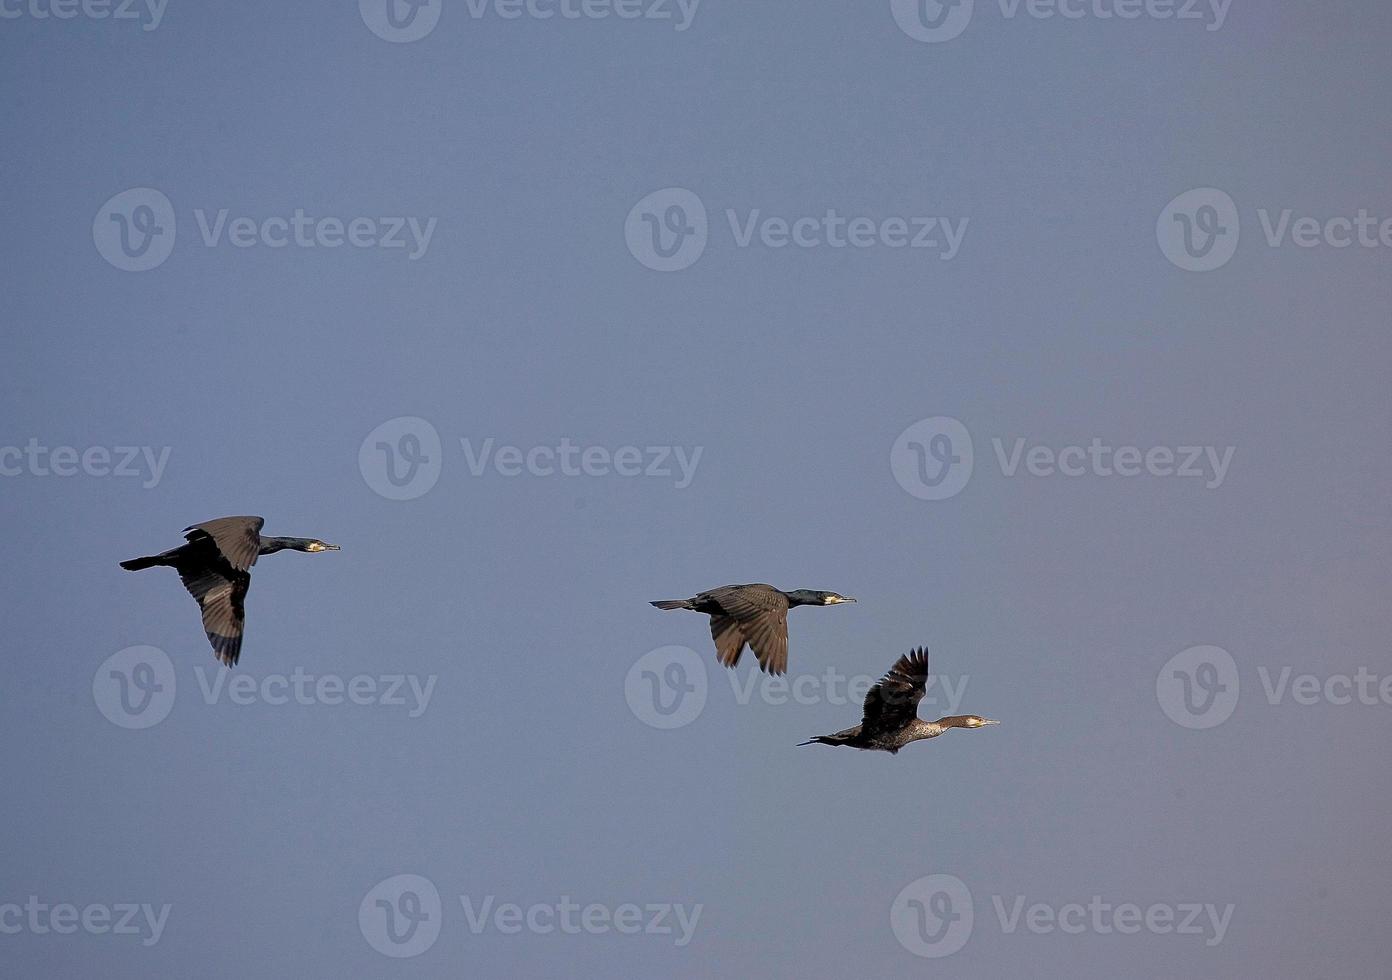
(754,395)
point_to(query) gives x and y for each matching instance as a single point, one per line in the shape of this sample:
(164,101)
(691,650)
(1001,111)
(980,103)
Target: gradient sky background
(528,777)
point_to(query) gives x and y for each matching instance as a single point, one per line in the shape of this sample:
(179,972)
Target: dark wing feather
(221,595)
(729,641)
(761,614)
(893,702)
(237,539)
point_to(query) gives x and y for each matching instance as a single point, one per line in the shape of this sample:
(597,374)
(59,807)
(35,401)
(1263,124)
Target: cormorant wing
(893,702)
(729,641)
(760,612)
(237,539)
(220,593)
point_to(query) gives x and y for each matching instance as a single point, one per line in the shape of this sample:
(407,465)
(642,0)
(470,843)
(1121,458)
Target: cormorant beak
(322,546)
(989,721)
(332,547)
(840,598)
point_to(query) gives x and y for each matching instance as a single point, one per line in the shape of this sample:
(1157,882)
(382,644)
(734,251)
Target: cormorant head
(976,721)
(314,544)
(813,597)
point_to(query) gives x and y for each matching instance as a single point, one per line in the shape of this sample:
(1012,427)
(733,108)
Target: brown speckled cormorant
(756,615)
(891,711)
(215,568)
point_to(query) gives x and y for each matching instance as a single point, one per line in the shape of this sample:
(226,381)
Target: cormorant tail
(673,604)
(136,564)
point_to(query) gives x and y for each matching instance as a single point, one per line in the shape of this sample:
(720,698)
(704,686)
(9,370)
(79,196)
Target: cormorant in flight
(756,615)
(891,711)
(215,567)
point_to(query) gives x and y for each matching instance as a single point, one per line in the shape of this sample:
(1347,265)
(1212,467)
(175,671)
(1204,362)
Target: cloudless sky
(528,776)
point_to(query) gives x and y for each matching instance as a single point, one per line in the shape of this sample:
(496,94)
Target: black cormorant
(215,568)
(891,711)
(752,614)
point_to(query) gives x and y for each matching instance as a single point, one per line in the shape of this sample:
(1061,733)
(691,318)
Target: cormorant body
(215,566)
(891,719)
(754,615)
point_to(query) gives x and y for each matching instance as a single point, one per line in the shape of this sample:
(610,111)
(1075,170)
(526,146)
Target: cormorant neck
(800,597)
(270,546)
(926,729)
